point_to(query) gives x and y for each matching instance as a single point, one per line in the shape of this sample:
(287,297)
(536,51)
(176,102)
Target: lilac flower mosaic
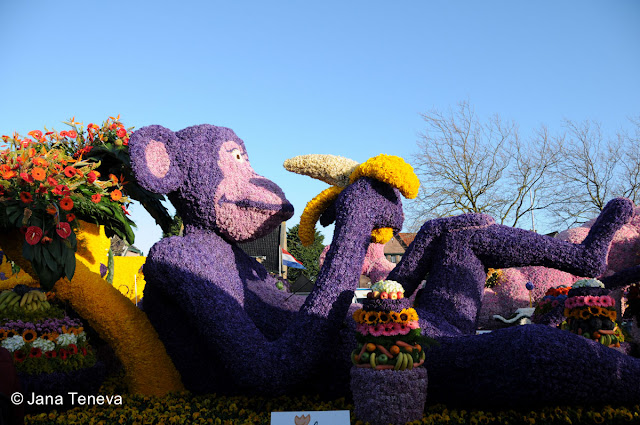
(229,330)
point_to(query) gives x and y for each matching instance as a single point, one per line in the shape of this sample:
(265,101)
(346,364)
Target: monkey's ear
(154,152)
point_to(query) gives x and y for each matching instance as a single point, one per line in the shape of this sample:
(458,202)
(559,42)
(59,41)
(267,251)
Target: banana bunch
(30,301)
(405,361)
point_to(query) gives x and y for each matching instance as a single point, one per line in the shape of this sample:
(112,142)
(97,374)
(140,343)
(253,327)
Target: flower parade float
(53,200)
(229,331)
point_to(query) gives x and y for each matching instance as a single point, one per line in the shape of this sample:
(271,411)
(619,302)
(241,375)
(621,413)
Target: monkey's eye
(237,155)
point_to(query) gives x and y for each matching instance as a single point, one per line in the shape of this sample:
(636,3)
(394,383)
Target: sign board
(330,417)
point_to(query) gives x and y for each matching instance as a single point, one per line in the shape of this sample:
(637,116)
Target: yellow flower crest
(392,170)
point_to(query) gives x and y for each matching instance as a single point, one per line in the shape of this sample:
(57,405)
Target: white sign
(330,417)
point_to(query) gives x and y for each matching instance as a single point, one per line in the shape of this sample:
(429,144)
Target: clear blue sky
(290,78)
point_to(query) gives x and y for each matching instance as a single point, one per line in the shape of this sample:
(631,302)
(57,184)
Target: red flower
(72,134)
(73,349)
(64,133)
(69,171)
(42,189)
(124,210)
(59,190)
(91,177)
(71,217)
(51,354)
(84,351)
(96,198)
(26,177)
(19,356)
(26,197)
(121,132)
(63,354)
(51,181)
(66,204)
(63,230)
(46,240)
(33,235)
(35,352)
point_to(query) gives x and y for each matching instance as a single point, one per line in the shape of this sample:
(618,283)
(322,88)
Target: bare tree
(589,175)
(631,163)
(466,165)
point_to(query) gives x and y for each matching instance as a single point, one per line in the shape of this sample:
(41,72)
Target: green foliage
(174,229)
(308,256)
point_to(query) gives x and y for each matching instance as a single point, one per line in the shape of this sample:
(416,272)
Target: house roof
(406,238)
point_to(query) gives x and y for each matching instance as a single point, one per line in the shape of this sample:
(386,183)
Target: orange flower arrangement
(40,179)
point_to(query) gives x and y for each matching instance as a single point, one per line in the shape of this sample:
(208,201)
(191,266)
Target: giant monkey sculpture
(229,330)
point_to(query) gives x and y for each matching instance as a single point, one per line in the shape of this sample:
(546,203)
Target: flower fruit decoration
(46,186)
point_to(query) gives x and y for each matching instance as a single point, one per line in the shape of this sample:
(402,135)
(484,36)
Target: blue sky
(292,78)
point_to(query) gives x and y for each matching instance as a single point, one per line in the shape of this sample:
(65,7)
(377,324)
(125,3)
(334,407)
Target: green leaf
(27,251)
(69,263)
(49,259)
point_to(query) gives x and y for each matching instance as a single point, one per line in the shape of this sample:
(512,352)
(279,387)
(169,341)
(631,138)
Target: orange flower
(9,175)
(26,197)
(40,162)
(51,209)
(116,195)
(72,134)
(36,134)
(39,174)
(96,198)
(113,178)
(66,204)
(32,152)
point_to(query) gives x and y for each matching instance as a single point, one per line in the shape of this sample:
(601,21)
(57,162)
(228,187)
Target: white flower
(388,286)
(588,283)
(44,344)
(14,343)
(66,339)
(82,336)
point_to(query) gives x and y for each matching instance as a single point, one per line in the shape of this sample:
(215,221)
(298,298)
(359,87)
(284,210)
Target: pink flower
(376,330)
(362,328)
(569,303)
(579,301)
(554,303)
(414,324)
(389,330)
(590,301)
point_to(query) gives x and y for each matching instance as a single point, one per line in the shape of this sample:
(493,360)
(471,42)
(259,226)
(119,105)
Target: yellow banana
(23,300)
(410,362)
(8,298)
(14,301)
(398,361)
(405,361)
(372,360)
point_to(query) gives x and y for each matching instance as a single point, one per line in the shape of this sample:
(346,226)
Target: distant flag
(289,261)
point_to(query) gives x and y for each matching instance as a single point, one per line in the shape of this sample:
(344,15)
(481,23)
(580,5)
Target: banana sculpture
(340,172)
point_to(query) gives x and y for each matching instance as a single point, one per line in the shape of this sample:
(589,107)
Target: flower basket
(383,397)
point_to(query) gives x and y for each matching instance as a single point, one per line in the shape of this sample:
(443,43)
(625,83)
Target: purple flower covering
(83,381)
(229,330)
(383,397)
(377,304)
